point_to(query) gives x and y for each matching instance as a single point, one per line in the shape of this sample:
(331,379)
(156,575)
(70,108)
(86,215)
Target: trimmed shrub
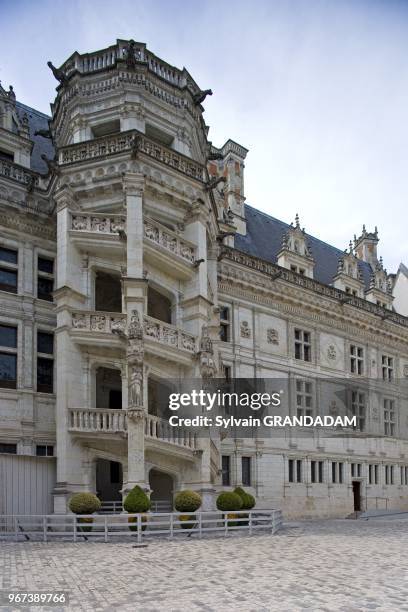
(136,501)
(228,500)
(84,503)
(187,501)
(248,500)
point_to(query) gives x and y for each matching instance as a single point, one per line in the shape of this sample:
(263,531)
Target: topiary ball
(84,503)
(187,501)
(228,500)
(136,501)
(248,500)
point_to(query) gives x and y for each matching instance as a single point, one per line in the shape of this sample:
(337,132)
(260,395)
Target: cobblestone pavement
(346,566)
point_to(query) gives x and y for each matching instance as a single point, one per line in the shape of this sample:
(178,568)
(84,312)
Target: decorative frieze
(274,271)
(98,223)
(168,334)
(133,142)
(17,173)
(99,322)
(169,240)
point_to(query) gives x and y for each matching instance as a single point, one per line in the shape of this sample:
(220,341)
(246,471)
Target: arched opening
(162,486)
(109,480)
(108,292)
(108,388)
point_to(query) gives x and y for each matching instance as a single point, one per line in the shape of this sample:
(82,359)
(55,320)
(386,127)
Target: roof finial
(297,221)
(351,246)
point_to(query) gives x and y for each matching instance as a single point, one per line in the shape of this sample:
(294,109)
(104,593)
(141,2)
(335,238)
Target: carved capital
(133,184)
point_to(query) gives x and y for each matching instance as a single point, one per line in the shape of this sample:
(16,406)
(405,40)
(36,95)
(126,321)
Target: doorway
(357,495)
(162,486)
(109,480)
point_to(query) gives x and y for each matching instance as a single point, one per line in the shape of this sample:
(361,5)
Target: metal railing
(105,527)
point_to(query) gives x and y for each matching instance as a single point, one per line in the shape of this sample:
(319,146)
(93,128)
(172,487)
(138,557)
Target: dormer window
(295,254)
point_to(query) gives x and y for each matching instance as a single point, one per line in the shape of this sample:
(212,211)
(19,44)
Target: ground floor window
(295,470)
(337,472)
(316,471)
(373,474)
(246,471)
(226,470)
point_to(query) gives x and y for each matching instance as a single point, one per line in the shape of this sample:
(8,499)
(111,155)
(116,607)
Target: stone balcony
(108,328)
(168,340)
(163,247)
(130,142)
(93,422)
(18,174)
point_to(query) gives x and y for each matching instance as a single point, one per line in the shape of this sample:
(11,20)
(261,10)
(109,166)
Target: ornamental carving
(272,336)
(135,386)
(331,352)
(405,370)
(101,225)
(135,330)
(245,330)
(173,243)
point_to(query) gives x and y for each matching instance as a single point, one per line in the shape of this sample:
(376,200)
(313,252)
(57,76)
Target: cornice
(20,223)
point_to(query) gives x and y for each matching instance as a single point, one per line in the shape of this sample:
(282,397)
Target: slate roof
(37,121)
(264,240)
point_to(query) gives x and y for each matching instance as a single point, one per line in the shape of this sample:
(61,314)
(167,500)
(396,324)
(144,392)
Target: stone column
(135,302)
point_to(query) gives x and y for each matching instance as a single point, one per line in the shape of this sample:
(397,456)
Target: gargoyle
(212,183)
(200,96)
(58,74)
(43,133)
(52,165)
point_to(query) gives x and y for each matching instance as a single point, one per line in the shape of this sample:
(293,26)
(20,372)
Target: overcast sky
(316,90)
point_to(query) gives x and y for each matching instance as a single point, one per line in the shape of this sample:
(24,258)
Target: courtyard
(342,565)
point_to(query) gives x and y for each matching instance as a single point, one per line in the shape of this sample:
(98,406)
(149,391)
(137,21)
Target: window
(226,470)
(44,450)
(8,270)
(404,474)
(227,373)
(295,470)
(45,279)
(225,322)
(303,349)
(10,449)
(356,359)
(298,270)
(358,409)
(8,357)
(356,470)
(337,472)
(389,417)
(373,474)
(387,367)
(304,398)
(389,474)
(45,362)
(246,471)
(316,471)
